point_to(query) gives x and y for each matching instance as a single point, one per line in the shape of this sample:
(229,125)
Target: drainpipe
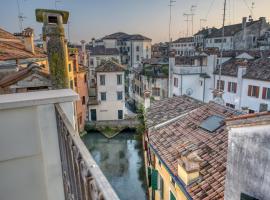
(181,84)
(203,88)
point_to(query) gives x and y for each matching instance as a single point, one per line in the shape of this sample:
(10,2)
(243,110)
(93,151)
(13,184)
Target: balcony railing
(83,179)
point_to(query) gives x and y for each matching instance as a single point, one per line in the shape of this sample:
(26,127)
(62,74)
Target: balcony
(41,155)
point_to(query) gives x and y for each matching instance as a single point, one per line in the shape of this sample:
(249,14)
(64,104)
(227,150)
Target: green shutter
(172,197)
(149,176)
(154,179)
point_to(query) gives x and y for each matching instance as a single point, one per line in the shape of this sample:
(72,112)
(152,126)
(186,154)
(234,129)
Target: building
(186,159)
(133,48)
(160,50)
(108,100)
(29,79)
(152,76)
(191,75)
(17,52)
(81,87)
(184,46)
(245,82)
(242,36)
(247,150)
(200,37)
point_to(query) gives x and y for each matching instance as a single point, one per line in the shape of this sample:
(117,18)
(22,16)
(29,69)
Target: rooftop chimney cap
(40,14)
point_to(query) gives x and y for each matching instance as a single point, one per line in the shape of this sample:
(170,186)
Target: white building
(184,46)
(245,79)
(192,76)
(109,102)
(240,36)
(133,48)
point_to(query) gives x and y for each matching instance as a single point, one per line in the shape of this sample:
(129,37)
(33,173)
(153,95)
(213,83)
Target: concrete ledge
(19,100)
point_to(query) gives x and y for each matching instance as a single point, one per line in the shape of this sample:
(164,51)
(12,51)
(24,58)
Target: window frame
(103,94)
(253,91)
(232,87)
(117,94)
(101,80)
(119,80)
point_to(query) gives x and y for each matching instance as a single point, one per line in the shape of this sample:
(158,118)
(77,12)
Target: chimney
(28,39)
(171,67)
(189,167)
(147,101)
(93,42)
(209,31)
(244,22)
(83,52)
(54,34)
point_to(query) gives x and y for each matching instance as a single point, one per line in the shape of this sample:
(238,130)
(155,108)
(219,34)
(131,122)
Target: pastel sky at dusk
(97,18)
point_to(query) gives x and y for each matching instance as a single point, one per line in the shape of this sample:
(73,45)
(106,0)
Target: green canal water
(121,161)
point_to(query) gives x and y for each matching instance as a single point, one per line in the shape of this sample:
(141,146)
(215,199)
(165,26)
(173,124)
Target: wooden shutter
(264,93)
(257,91)
(229,84)
(172,197)
(154,179)
(249,90)
(235,87)
(149,172)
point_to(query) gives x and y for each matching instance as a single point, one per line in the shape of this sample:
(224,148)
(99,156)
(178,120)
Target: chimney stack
(147,101)
(83,52)
(28,39)
(244,22)
(93,42)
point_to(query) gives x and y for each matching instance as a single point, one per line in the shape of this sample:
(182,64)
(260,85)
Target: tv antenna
(21,17)
(192,10)
(170,21)
(252,9)
(201,22)
(55,3)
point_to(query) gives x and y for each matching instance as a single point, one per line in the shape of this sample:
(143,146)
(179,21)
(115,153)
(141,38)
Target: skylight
(212,123)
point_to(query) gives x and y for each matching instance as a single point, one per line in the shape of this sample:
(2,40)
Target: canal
(121,160)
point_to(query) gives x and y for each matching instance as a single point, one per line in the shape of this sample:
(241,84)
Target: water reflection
(121,161)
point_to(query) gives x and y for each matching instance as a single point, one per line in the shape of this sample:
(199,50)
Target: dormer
(189,167)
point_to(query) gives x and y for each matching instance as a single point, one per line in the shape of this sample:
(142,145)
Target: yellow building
(185,157)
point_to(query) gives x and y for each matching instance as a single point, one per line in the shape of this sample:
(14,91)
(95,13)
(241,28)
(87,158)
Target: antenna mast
(219,94)
(202,20)
(192,9)
(170,20)
(20,16)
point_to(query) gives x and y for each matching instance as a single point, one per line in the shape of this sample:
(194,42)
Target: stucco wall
(248,165)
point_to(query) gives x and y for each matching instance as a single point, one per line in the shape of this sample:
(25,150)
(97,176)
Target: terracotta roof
(230,30)
(12,48)
(169,108)
(125,36)
(110,66)
(185,136)
(101,50)
(259,70)
(17,76)
(206,31)
(187,60)
(184,40)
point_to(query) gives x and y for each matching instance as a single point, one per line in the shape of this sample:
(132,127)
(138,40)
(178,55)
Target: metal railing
(82,178)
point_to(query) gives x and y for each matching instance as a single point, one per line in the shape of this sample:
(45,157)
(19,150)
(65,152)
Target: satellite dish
(189,91)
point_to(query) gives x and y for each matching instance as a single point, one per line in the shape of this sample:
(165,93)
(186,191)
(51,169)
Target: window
(247,197)
(266,93)
(172,182)
(71,84)
(253,91)
(102,79)
(85,78)
(232,87)
(119,79)
(69,67)
(137,48)
(103,96)
(120,114)
(161,187)
(175,82)
(91,61)
(119,95)
(138,58)
(250,111)
(52,19)
(230,105)
(156,92)
(147,48)
(83,100)
(222,83)
(75,82)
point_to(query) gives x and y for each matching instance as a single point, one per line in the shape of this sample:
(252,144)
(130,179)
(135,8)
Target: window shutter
(257,91)
(264,93)
(172,197)
(149,176)
(229,84)
(235,87)
(154,179)
(249,90)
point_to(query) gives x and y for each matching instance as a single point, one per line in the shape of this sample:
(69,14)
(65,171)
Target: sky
(97,18)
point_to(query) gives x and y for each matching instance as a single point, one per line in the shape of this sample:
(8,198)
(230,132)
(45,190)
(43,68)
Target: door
(93,114)
(120,114)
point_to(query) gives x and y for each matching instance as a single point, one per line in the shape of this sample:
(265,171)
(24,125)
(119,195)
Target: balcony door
(93,114)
